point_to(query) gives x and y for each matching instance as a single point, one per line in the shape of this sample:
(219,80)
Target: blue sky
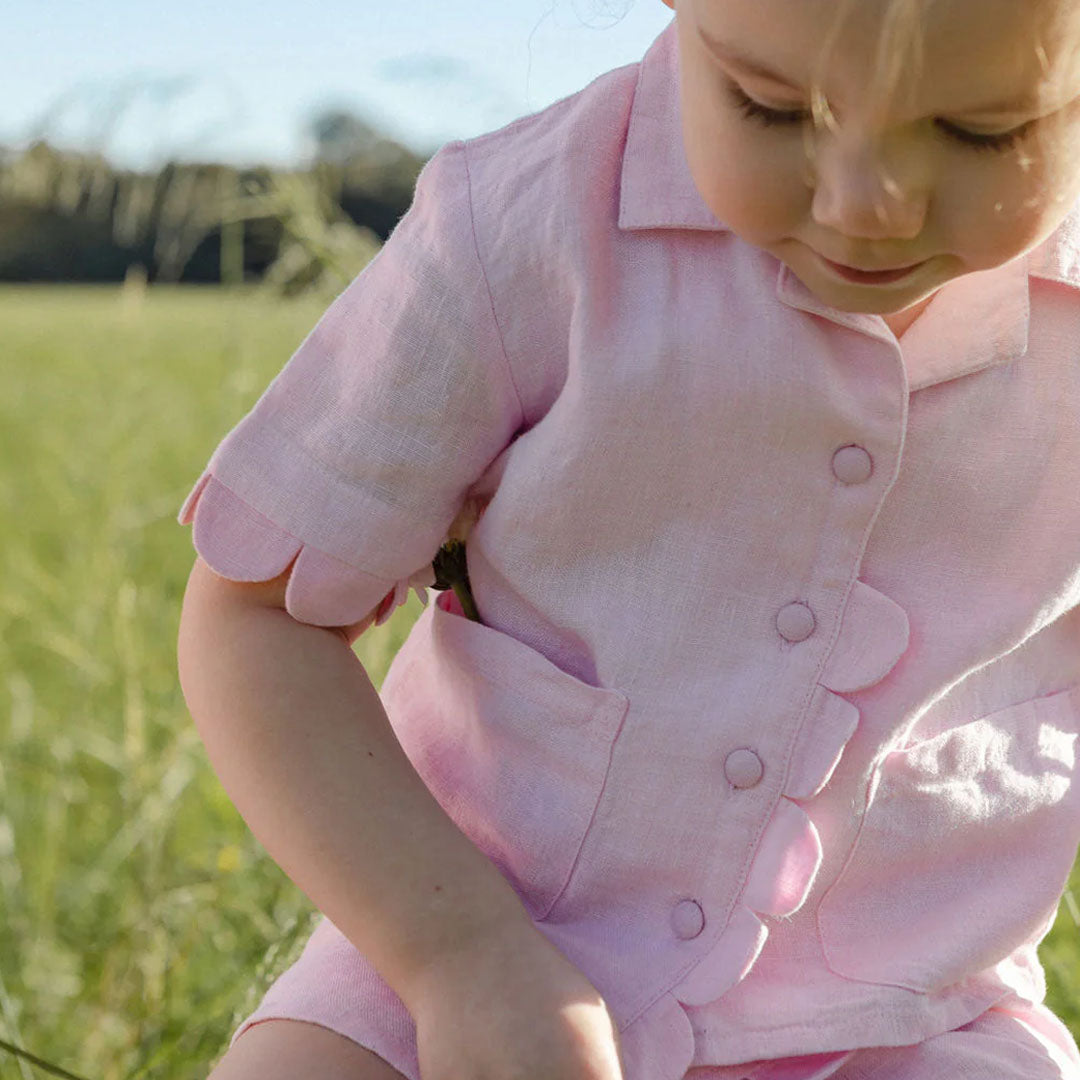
(235,80)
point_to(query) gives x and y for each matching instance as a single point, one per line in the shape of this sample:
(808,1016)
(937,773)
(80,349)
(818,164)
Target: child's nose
(862,191)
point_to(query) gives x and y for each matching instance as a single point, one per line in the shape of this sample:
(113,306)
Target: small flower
(447,571)
(228,859)
(450,565)
(420,581)
(452,572)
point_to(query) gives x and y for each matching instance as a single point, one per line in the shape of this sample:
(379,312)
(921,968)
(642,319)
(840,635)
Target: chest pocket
(964,850)
(514,749)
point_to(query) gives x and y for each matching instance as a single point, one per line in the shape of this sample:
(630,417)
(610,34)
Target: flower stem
(451,572)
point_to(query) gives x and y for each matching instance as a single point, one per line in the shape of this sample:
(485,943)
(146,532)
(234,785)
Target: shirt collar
(657,190)
(990,307)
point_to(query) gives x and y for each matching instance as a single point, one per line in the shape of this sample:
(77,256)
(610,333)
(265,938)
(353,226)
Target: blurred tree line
(71,216)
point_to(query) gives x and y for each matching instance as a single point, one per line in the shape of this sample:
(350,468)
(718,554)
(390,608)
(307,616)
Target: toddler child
(755,369)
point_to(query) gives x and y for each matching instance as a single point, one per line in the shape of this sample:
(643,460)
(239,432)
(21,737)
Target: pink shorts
(333,985)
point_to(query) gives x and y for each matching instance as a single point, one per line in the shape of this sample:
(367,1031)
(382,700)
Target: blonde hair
(899,50)
(900,57)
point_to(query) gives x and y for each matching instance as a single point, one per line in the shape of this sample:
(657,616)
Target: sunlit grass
(139,919)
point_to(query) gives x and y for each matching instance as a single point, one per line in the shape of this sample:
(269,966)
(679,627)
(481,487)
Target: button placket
(873,635)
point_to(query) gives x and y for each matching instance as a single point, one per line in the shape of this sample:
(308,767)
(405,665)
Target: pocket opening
(515,749)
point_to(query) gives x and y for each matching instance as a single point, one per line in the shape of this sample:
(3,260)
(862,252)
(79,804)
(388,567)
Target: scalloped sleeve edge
(242,544)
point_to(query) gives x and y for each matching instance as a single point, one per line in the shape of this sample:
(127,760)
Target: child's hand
(515,1009)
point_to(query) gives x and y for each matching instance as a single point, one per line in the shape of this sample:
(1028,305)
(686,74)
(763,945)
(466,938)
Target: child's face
(950,207)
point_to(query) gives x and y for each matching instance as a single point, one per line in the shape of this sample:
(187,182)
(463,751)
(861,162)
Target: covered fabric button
(743,768)
(852,465)
(795,622)
(687,919)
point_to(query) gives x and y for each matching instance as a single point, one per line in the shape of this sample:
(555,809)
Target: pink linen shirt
(771,720)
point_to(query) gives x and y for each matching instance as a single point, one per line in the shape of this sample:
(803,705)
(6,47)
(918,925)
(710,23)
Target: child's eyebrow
(738,58)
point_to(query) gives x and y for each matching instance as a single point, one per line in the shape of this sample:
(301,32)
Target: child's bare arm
(299,739)
(301,743)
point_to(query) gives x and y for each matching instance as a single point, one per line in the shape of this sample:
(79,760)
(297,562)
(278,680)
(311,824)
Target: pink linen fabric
(771,719)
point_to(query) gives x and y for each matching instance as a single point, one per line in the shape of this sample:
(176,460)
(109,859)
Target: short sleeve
(359,455)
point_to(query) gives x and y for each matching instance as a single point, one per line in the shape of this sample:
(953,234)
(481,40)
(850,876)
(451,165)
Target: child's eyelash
(1004,141)
(754,110)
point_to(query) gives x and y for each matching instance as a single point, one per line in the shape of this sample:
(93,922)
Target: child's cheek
(756,188)
(988,216)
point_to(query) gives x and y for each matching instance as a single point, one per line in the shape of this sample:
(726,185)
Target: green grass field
(139,919)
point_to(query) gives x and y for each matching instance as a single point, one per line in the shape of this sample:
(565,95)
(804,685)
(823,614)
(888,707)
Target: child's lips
(869,277)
